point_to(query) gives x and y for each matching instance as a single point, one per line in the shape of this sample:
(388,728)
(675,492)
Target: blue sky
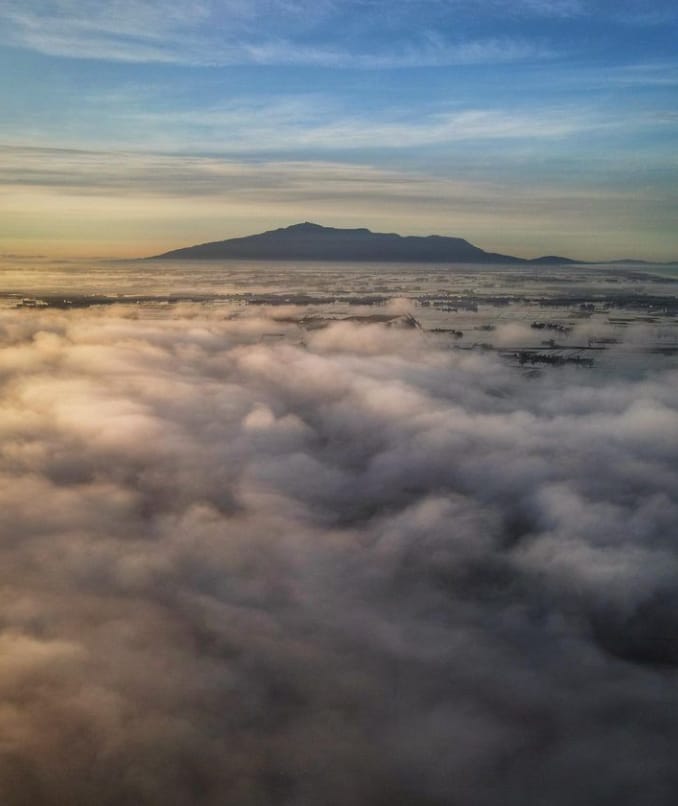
(529,126)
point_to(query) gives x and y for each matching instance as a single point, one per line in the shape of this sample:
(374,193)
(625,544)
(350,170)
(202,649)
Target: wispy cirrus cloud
(314,122)
(298,123)
(356,34)
(427,50)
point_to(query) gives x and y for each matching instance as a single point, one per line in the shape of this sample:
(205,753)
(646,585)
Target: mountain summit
(308,241)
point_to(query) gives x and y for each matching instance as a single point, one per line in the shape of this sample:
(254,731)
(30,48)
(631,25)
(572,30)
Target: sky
(525,126)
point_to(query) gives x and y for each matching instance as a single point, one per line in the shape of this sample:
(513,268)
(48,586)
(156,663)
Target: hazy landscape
(338,403)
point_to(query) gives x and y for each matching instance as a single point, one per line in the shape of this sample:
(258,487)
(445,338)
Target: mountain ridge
(310,241)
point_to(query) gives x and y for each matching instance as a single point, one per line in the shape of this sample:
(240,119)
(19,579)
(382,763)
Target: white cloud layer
(354,568)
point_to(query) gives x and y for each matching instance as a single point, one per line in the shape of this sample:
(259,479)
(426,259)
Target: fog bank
(248,564)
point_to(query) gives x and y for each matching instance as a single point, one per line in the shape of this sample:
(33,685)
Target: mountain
(314,242)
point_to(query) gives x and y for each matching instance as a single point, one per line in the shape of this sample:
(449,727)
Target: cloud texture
(346,566)
(353,33)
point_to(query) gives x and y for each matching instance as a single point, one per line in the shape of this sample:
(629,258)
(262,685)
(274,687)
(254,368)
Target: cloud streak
(309,123)
(264,33)
(344,570)
(144,203)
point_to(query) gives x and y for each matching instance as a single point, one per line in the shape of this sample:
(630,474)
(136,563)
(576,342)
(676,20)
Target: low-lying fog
(247,562)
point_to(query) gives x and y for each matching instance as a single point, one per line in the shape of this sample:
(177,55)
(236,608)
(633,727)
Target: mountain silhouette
(309,241)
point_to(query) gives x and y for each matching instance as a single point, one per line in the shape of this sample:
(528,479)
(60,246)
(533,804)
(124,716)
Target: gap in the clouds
(533,317)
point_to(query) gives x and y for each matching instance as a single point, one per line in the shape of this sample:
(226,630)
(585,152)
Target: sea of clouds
(247,564)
